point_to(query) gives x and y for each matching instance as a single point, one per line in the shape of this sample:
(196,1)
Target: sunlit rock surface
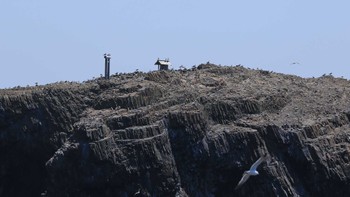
(177,133)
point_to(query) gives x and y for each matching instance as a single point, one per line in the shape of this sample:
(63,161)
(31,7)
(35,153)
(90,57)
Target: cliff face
(177,133)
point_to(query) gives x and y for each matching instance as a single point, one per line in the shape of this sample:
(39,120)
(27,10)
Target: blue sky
(46,41)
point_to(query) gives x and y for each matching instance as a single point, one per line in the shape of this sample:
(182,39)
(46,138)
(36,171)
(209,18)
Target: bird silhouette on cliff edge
(252,171)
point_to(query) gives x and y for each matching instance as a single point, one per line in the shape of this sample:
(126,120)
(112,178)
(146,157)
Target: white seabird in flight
(252,171)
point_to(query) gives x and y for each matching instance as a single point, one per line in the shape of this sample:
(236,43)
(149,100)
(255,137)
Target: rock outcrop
(177,133)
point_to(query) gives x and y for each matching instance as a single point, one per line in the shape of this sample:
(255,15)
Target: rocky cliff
(177,133)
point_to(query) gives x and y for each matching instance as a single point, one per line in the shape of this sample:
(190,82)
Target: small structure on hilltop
(163,64)
(107,57)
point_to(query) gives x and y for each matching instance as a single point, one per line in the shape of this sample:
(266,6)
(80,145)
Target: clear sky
(49,40)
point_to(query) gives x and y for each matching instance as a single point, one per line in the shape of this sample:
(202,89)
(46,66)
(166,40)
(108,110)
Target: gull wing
(260,160)
(244,178)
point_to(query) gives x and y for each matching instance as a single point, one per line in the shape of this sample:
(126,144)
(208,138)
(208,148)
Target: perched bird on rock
(252,171)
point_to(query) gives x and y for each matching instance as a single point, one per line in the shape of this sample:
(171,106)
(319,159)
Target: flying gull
(252,171)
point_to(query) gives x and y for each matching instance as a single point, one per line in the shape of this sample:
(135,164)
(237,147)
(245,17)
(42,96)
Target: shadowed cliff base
(189,132)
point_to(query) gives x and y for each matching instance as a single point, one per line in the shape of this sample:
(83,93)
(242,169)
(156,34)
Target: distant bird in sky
(293,63)
(252,171)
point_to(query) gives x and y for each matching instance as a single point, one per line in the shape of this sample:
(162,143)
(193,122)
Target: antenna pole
(107,57)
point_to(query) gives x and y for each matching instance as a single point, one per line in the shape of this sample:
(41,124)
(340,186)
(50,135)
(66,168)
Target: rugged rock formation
(177,133)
